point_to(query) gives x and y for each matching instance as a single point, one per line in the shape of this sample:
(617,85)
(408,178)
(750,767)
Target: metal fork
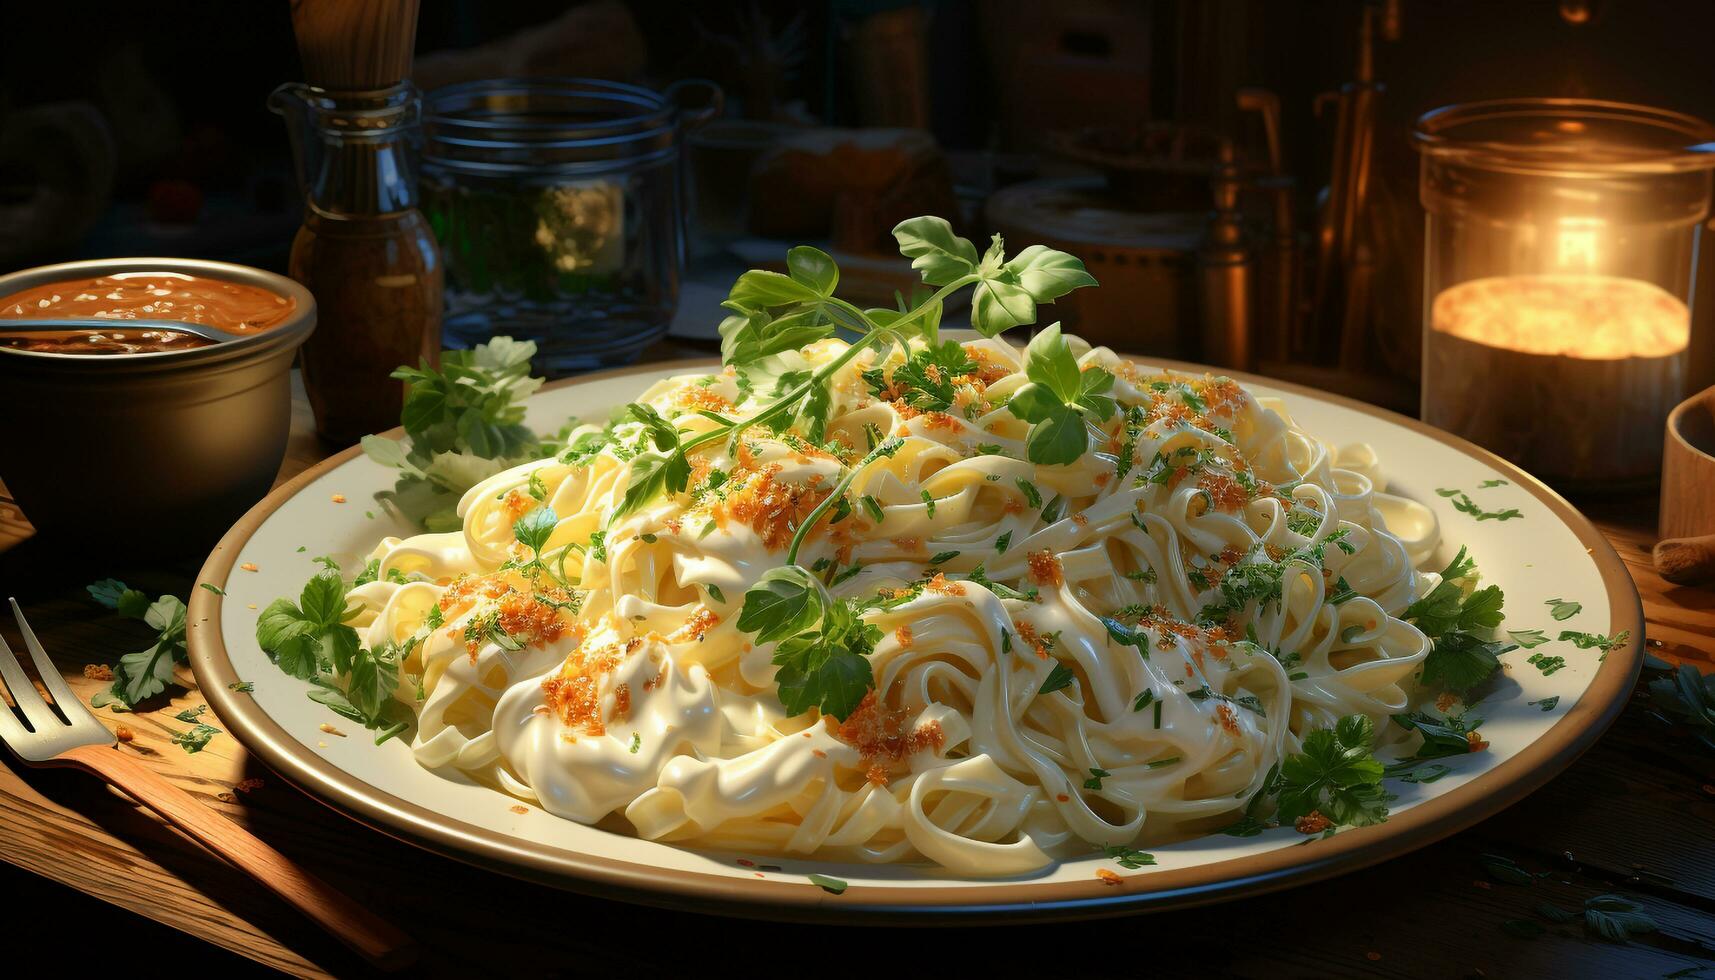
(86,744)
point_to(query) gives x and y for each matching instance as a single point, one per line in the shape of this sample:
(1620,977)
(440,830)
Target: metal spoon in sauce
(105,325)
(70,335)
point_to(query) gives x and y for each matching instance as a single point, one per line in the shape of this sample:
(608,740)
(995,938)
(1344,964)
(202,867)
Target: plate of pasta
(876,618)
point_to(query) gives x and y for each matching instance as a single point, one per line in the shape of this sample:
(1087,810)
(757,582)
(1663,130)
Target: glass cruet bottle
(364,250)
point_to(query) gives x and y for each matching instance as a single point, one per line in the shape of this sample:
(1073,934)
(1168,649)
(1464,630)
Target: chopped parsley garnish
(1596,641)
(1563,610)
(1528,639)
(872,507)
(1032,496)
(1545,663)
(1058,679)
(929,377)
(1465,505)
(1129,858)
(1003,542)
(1416,772)
(833,886)
(1453,735)
(1051,513)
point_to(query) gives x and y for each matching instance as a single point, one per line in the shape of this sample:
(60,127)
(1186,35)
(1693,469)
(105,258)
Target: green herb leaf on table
(196,739)
(1616,918)
(145,673)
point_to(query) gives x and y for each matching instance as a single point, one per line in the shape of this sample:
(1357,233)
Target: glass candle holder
(1560,269)
(559,207)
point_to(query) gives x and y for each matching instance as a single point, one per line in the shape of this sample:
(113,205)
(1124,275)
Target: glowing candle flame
(1590,317)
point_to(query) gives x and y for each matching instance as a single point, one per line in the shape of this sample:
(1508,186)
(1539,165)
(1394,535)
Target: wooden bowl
(1688,469)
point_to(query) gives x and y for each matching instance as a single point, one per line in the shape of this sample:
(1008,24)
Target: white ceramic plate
(1535,723)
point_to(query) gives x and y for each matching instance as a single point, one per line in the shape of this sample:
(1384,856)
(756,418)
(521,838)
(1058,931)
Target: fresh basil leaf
(814,268)
(760,289)
(1048,361)
(1047,274)
(535,528)
(998,306)
(1033,402)
(1059,439)
(934,250)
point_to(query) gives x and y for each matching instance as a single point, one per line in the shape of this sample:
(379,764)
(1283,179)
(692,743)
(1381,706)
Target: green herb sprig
(464,423)
(1461,625)
(1057,398)
(1337,775)
(312,640)
(822,643)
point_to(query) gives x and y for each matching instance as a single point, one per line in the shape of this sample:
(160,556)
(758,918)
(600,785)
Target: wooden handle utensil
(1686,554)
(363,931)
(1686,561)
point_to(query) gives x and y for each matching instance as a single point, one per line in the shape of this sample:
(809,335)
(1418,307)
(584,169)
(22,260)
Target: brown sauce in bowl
(230,307)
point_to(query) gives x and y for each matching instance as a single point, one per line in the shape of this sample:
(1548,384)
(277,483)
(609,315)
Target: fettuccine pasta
(1112,651)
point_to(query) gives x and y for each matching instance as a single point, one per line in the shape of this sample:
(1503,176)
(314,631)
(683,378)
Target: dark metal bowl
(159,451)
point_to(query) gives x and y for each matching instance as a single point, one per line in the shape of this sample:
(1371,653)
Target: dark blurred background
(1107,127)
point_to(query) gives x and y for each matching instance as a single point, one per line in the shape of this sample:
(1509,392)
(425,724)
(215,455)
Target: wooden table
(1636,815)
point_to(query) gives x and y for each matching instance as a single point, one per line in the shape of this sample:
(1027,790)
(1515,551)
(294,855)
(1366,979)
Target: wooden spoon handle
(367,934)
(1686,561)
